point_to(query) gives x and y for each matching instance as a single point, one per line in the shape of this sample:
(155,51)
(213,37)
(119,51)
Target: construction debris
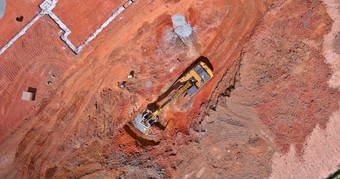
(121,84)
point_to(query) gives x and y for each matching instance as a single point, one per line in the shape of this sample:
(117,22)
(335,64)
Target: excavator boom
(182,90)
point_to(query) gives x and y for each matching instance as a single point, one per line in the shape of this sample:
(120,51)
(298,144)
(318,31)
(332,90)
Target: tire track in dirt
(227,67)
(278,62)
(58,126)
(22,68)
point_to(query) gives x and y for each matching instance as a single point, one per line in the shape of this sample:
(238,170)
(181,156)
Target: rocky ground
(271,109)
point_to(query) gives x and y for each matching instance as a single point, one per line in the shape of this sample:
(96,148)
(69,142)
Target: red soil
(84,17)
(16,8)
(119,52)
(77,128)
(31,66)
(290,73)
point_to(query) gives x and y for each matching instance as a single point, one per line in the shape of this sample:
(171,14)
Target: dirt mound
(321,149)
(289,73)
(229,143)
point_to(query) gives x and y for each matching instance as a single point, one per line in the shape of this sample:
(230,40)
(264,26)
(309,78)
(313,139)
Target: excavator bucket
(137,122)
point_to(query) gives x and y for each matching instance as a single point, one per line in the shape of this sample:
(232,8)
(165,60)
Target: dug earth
(270,111)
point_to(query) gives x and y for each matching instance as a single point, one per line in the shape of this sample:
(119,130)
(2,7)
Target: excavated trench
(140,137)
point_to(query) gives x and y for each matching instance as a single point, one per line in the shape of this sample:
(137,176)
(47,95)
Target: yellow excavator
(190,83)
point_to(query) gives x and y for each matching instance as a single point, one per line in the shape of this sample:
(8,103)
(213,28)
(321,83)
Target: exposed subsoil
(16,8)
(80,19)
(321,156)
(281,96)
(269,92)
(290,73)
(33,66)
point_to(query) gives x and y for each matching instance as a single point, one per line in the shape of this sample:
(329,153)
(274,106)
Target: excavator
(189,83)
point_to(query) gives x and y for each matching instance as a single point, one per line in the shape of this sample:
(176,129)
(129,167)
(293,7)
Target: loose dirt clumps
(227,144)
(321,149)
(321,154)
(336,43)
(290,74)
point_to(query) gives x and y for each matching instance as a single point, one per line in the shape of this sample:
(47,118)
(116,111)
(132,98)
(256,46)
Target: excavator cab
(190,83)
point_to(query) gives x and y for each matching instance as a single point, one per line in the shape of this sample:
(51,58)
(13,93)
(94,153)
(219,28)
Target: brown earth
(269,92)
(291,74)
(33,65)
(280,96)
(79,16)
(321,156)
(16,8)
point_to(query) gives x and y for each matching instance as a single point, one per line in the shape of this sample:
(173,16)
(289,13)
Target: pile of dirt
(321,156)
(289,74)
(229,143)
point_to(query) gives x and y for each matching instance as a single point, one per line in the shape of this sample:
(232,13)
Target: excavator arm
(143,121)
(182,90)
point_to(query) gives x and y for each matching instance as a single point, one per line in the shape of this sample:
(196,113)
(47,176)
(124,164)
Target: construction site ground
(84,17)
(10,26)
(270,111)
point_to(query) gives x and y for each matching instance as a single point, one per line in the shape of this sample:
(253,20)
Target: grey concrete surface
(182,28)
(2,8)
